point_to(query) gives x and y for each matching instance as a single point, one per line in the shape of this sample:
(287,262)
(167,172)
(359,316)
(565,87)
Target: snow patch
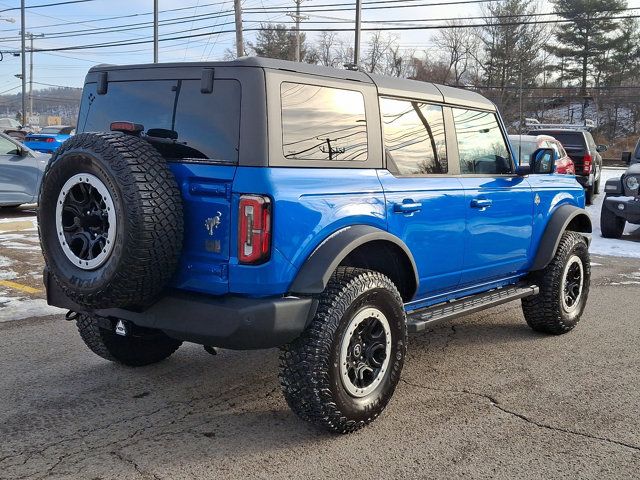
(16,308)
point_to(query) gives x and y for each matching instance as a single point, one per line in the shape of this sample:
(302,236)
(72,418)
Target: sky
(68,68)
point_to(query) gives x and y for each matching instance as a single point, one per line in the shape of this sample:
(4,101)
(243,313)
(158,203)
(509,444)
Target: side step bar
(418,320)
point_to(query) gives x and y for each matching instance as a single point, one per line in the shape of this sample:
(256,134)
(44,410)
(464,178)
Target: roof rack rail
(534,124)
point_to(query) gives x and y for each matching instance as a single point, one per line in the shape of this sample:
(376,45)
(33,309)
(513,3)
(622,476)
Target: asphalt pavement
(481,397)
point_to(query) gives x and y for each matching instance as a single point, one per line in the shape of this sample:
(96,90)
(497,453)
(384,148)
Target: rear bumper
(233,322)
(624,207)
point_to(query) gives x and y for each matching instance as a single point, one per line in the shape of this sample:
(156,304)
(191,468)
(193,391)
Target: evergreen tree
(278,41)
(585,42)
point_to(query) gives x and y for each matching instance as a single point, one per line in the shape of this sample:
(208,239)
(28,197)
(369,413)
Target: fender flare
(314,275)
(557,225)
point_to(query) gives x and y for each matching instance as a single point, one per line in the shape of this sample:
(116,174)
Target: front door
(18,174)
(499,204)
(426,206)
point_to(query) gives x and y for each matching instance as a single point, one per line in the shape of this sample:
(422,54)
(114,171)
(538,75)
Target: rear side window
(481,145)
(179,120)
(323,123)
(414,137)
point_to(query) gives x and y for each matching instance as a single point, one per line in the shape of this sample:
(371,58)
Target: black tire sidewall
(364,408)
(72,162)
(580,250)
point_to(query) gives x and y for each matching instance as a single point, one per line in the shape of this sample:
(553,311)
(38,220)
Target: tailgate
(206,197)
(576,153)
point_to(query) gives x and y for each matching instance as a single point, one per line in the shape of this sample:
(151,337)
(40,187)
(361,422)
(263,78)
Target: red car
(525,145)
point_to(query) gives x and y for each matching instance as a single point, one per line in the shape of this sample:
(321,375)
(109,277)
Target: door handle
(481,203)
(407,206)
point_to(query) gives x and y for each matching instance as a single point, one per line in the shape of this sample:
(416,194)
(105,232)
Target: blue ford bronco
(261,203)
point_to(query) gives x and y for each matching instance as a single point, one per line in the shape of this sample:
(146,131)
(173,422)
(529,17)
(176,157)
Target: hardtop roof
(386,85)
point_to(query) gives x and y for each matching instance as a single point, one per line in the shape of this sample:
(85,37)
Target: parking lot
(481,396)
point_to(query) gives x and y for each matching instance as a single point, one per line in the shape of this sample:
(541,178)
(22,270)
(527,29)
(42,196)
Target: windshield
(524,148)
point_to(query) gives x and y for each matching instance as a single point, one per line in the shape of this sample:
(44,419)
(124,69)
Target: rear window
(181,122)
(568,139)
(323,123)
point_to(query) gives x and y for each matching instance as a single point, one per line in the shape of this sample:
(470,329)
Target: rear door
(499,204)
(198,134)
(18,174)
(425,202)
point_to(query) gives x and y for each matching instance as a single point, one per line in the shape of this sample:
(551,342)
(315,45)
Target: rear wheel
(141,346)
(342,371)
(589,194)
(564,288)
(611,225)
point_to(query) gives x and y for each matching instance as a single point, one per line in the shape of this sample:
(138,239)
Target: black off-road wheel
(564,288)
(611,225)
(342,371)
(110,220)
(139,348)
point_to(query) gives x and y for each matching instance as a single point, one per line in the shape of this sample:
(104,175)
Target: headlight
(632,183)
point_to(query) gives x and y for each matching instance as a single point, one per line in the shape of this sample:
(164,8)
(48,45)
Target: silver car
(21,172)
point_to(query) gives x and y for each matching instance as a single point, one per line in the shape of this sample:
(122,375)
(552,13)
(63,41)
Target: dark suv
(582,149)
(622,201)
(261,203)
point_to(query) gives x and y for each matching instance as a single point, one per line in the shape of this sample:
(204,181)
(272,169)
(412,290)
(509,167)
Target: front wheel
(342,371)
(564,288)
(611,225)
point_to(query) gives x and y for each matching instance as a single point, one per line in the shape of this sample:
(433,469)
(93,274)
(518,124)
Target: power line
(45,5)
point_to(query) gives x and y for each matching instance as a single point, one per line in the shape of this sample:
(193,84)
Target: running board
(418,320)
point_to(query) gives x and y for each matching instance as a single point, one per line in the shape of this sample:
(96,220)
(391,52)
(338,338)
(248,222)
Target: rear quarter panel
(309,205)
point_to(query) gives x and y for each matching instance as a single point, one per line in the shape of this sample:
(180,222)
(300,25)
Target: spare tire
(110,220)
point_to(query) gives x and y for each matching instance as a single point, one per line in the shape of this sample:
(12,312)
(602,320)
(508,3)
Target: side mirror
(626,158)
(602,148)
(543,161)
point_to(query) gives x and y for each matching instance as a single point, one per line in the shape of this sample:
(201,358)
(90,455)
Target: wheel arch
(361,246)
(565,218)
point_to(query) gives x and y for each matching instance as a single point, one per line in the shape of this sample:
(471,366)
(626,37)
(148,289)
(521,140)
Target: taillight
(586,166)
(50,140)
(254,229)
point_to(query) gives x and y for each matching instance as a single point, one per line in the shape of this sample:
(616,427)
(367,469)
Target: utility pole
(356,48)
(297,17)
(239,41)
(31,37)
(155,31)
(24,61)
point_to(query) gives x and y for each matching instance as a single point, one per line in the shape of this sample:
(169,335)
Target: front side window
(481,145)
(322,123)
(414,137)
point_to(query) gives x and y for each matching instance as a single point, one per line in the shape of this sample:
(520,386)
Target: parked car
(622,198)
(582,149)
(12,128)
(261,203)
(49,138)
(525,145)
(21,172)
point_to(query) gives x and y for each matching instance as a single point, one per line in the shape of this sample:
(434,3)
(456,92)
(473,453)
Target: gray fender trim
(559,222)
(315,273)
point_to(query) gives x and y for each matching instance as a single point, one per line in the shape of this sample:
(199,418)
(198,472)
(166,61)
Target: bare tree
(459,46)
